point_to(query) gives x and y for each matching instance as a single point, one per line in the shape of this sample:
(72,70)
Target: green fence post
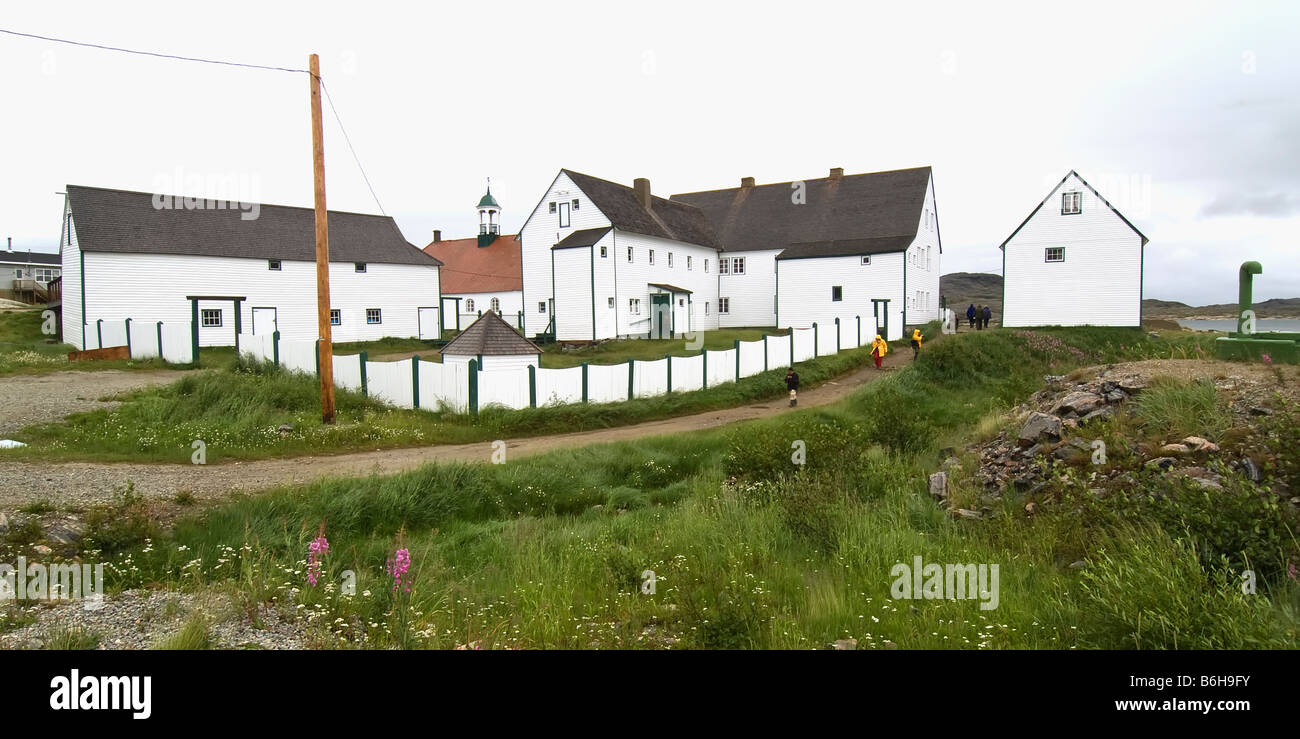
(415,380)
(764,352)
(792,346)
(737,347)
(318,359)
(99,332)
(584,382)
(160,352)
(669,357)
(837,335)
(275,351)
(194,331)
(816,337)
(704,381)
(859,330)
(238,327)
(631,371)
(532,386)
(473,388)
(128,338)
(365,390)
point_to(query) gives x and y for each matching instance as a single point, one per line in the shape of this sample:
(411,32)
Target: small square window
(373,315)
(681,302)
(552,207)
(604,252)
(575,203)
(211,318)
(336,317)
(837,293)
(273,265)
(610,302)
(541,306)
(359,267)
(1071,203)
(866,259)
(1054,254)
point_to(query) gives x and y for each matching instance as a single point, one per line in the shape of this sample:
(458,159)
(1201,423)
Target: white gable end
(1074,261)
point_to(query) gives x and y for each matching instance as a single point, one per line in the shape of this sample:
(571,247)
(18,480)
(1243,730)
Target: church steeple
(489,217)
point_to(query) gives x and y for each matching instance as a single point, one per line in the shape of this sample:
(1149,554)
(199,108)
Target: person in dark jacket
(792,384)
(979,318)
(988,316)
(970,315)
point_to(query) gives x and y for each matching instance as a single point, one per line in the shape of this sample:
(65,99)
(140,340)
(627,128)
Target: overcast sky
(1185,115)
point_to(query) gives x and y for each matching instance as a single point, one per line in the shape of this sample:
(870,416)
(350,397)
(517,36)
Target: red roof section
(467,268)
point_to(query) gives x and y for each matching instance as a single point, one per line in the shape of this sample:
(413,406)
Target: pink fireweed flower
(1267,359)
(398,567)
(315,553)
(1291,571)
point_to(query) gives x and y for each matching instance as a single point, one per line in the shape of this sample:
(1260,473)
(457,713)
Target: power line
(355,158)
(176,57)
(151,53)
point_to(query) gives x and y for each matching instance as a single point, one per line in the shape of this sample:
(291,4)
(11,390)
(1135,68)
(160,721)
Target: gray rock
(1175,450)
(1163,463)
(1075,450)
(1078,565)
(1116,396)
(1209,483)
(1081,403)
(1197,444)
(4,524)
(967,513)
(1132,384)
(1053,379)
(285,429)
(63,534)
(1251,470)
(1259,411)
(939,485)
(42,550)
(846,644)
(1104,413)
(1040,427)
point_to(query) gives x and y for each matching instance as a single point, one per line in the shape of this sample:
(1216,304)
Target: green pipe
(1244,297)
(415,380)
(532,386)
(365,390)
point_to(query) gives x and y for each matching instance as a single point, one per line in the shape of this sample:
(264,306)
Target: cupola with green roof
(489,218)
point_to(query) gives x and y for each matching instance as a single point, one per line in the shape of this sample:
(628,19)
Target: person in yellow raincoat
(916,342)
(878,350)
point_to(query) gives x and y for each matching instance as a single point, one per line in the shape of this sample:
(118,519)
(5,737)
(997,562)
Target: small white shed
(494,343)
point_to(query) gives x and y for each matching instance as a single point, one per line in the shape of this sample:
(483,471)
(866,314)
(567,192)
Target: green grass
(194,634)
(748,549)
(71,638)
(237,413)
(617,352)
(1178,409)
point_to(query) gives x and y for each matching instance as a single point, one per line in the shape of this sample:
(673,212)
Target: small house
(494,343)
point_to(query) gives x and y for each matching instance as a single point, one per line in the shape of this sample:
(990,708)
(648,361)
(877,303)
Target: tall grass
(1179,409)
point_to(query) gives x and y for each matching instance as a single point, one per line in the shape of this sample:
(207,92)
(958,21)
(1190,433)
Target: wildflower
(398,567)
(1267,359)
(315,553)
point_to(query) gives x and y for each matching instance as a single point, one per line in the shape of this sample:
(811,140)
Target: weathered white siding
(511,302)
(752,296)
(634,280)
(70,252)
(1098,284)
(805,293)
(541,231)
(513,361)
(923,265)
(573,294)
(153,287)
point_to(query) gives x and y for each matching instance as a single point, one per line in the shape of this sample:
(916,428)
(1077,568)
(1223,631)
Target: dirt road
(84,483)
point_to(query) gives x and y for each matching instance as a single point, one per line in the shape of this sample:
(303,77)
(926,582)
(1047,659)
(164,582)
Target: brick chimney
(746,181)
(642,188)
(837,172)
(437,235)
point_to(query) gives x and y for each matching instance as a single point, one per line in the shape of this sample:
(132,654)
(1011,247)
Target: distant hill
(963,288)
(981,288)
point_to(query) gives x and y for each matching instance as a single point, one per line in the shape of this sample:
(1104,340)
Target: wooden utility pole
(324,346)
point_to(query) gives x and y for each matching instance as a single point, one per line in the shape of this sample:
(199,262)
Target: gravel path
(29,399)
(79,484)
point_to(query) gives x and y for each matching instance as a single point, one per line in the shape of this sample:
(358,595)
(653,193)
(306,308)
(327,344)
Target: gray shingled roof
(585,237)
(30,257)
(127,222)
(838,212)
(490,336)
(665,218)
(847,247)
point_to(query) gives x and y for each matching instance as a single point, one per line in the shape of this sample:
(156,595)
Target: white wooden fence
(173,341)
(464,388)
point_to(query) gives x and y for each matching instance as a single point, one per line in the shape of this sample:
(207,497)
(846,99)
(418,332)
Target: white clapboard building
(1074,261)
(603,260)
(146,257)
(854,247)
(480,273)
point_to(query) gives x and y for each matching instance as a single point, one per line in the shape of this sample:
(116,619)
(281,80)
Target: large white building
(1074,261)
(480,273)
(145,256)
(602,260)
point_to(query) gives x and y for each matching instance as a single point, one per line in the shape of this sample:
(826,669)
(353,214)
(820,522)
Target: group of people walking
(979,317)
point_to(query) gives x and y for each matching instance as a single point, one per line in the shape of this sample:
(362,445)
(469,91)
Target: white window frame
(652,256)
(469,305)
(737,265)
(634,306)
(724,306)
(273,265)
(1060,254)
(565,220)
(336,317)
(688,263)
(495,305)
(379,316)
(629,254)
(670,260)
(866,260)
(541,306)
(207,314)
(358,266)
(1071,203)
